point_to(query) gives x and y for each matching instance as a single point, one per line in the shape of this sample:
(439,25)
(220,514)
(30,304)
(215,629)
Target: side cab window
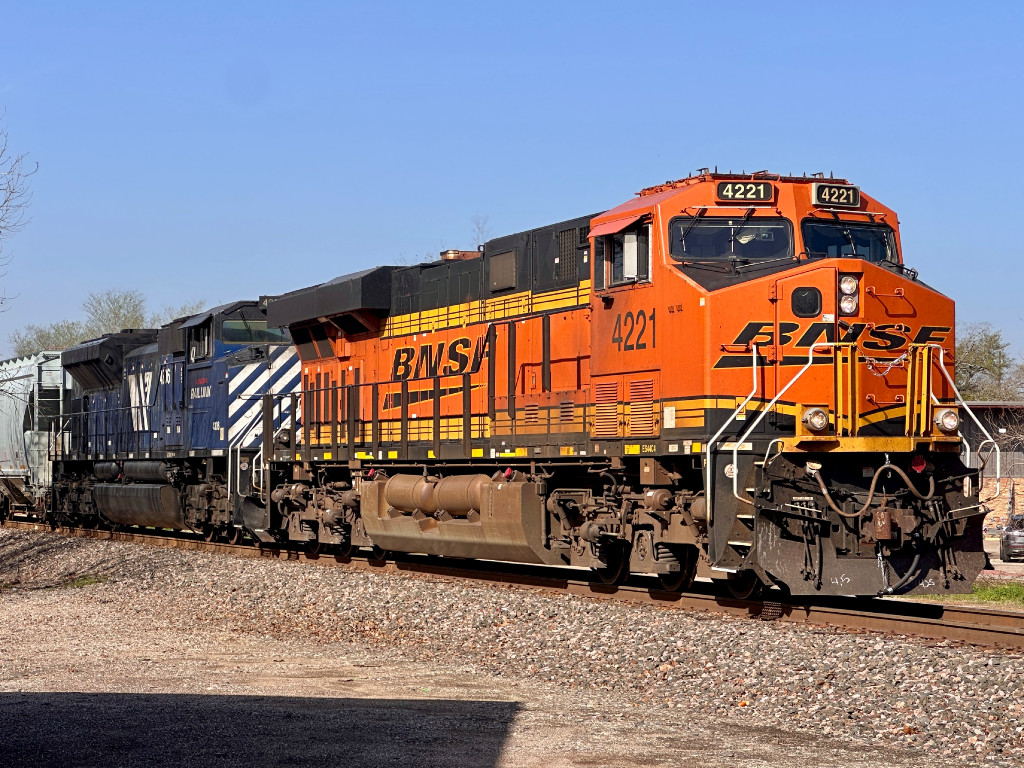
(623,258)
(200,341)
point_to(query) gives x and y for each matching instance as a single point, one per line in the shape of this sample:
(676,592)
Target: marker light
(948,420)
(816,419)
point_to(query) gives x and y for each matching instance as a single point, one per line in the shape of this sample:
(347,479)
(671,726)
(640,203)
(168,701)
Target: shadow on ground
(112,730)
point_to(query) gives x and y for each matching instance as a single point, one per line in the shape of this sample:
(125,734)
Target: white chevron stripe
(241,399)
(241,376)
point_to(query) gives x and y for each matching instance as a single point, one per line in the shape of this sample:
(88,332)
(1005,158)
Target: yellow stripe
(486,310)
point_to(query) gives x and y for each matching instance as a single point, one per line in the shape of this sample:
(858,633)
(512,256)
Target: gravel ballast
(587,677)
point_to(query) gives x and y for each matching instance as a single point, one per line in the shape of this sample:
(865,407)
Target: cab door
(625,384)
(172,385)
(806,315)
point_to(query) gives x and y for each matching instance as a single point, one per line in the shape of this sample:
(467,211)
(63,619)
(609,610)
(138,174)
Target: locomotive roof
(368,289)
(97,363)
(223,309)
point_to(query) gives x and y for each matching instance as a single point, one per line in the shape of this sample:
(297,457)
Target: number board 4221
(836,194)
(744,191)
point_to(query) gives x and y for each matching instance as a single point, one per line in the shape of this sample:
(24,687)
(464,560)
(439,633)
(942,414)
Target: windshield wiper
(690,226)
(849,239)
(762,262)
(723,266)
(736,231)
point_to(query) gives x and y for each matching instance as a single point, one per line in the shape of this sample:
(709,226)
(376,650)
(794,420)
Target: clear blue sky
(222,150)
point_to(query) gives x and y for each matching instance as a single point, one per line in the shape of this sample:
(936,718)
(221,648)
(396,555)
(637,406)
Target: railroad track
(976,626)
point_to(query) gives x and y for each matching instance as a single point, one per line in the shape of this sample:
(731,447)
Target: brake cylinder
(460,494)
(409,493)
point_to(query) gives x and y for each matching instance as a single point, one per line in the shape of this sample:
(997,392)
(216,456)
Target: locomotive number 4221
(638,330)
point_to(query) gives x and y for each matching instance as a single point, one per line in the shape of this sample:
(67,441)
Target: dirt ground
(91,680)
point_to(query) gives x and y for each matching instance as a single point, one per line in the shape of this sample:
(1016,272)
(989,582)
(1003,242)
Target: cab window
(848,239)
(199,345)
(252,331)
(742,239)
(622,258)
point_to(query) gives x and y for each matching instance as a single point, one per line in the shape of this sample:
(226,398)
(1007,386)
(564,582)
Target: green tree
(984,368)
(35,338)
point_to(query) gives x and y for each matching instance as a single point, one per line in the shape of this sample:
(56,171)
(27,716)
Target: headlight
(848,305)
(816,419)
(848,285)
(948,420)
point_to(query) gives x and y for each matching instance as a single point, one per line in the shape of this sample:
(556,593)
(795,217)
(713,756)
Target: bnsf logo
(889,337)
(442,359)
(879,338)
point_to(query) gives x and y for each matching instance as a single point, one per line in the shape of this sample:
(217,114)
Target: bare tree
(114,310)
(169,313)
(1009,429)
(14,195)
(481,228)
(107,311)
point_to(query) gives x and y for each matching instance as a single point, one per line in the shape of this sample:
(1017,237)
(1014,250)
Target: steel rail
(931,620)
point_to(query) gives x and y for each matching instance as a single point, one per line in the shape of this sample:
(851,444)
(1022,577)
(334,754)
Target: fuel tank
(158,506)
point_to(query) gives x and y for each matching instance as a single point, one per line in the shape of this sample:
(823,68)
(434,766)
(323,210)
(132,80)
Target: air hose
(871,490)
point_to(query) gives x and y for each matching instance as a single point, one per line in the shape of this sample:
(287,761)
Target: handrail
(709,495)
(960,399)
(764,412)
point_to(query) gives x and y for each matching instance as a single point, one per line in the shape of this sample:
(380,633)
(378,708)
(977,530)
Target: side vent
(568,265)
(641,409)
(566,412)
(606,409)
(532,413)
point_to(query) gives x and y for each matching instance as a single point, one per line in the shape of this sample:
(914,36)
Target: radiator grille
(641,410)
(606,409)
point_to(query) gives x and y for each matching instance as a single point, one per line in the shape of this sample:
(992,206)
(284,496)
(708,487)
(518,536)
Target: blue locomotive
(167,428)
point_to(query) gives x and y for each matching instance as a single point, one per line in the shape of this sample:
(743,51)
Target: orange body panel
(616,357)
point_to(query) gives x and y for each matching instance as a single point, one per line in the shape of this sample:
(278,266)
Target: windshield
(834,239)
(742,238)
(249,331)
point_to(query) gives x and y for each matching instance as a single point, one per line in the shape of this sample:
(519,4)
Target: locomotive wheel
(344,551)
(209,533)
(617,569)
(313,547)
(235,535)
(745,585)
(683,578)
(378,554)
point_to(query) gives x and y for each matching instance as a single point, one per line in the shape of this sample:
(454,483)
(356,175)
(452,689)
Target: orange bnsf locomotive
(732,376)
